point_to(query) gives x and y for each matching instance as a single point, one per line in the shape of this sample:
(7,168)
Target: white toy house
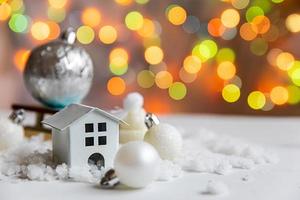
(84,135)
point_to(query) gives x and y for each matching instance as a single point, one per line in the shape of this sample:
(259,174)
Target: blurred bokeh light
(216,56)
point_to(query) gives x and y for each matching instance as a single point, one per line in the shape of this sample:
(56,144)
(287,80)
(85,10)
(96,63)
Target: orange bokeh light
(248,31)
(54,30)
(262,24)
(116,86)
(20,59)
(91,17)
(215,27)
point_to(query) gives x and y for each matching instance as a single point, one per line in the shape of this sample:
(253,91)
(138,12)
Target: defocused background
(212,56)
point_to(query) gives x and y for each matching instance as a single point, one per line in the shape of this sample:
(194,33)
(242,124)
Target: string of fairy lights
(254,26)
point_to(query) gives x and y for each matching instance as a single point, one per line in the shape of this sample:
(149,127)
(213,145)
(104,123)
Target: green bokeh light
(263,4)
(205,50)
(118,69)
(252,12)
(134,20)
(294,94)
(177,91)
(259,46)
(18,23)
(225,54)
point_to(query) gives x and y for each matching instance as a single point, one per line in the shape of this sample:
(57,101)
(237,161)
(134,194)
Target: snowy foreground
(203,151)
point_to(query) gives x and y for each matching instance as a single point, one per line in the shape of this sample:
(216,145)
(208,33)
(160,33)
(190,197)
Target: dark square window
(102,140)
(89,141)
(101,127)
(89,128)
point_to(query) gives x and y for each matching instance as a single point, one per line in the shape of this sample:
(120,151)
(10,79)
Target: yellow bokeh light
(279,95)
(134,20)
(192,64)
(118,53)
(163,79)
(226,70)
(176,14)
(85,34)
(256,100)
(40,30)
(108,34)
(116,86)
(285,61)
(230,18)
(148,29)
(177,91)
(123,2)
(57,15)
(231,93)
(5,11)
(154,55)
(91,17)
(292,23)
(145,79)
(17,6)
(58,3)
(20,58)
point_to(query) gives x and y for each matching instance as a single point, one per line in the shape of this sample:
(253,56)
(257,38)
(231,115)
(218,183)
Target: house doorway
(96,159)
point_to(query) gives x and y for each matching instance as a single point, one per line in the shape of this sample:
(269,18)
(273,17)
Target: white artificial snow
(168,170)
(11,134)
(203,151)
(216,188)
(32,160)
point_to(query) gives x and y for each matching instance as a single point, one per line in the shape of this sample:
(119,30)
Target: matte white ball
(136,164)
(166,139)
(11,134)
(133,101)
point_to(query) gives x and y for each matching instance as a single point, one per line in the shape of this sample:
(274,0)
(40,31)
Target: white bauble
(166,139)
(136,164)
(11,134)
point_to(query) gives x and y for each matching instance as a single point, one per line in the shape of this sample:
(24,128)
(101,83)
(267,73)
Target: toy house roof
(72,113)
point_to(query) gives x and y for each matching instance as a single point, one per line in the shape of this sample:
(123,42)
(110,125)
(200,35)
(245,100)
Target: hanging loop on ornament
(17,116)
(69,36)
(110,180)
(151,120)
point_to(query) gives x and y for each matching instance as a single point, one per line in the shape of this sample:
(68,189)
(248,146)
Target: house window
(89,128)
(102,127)
(102,140)
(89,141)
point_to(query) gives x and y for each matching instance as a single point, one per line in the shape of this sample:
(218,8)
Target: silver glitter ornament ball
(59,73)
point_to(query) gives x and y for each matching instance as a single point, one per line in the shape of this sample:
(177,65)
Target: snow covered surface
(263,181)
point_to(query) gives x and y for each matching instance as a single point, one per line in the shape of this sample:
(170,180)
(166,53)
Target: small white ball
(136,164)
(166,139)
(133,101)
(11,134)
